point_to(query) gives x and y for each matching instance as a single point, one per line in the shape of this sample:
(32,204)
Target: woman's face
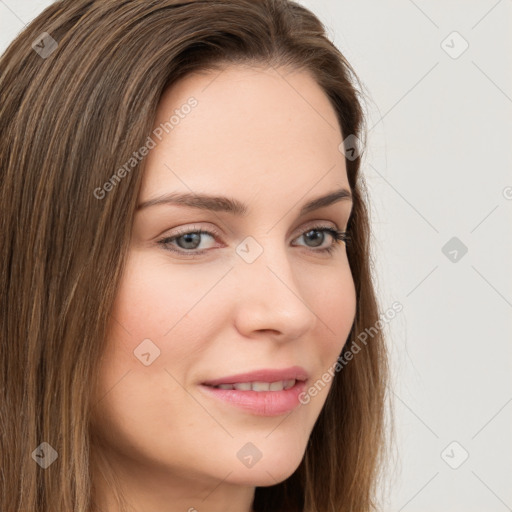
(256,293)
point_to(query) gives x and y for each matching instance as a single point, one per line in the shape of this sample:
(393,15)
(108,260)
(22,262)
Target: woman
(185,264)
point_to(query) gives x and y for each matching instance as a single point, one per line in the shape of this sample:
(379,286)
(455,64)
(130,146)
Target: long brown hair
(79,89)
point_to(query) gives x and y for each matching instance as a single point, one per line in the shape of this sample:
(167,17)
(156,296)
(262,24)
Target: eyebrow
(235,207)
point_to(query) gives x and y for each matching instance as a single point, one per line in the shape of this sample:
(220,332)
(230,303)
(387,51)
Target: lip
(261,403)
(264,375)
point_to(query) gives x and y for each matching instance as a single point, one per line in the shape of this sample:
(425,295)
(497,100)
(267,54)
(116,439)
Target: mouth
(263,393)
(262,379)
(259,386)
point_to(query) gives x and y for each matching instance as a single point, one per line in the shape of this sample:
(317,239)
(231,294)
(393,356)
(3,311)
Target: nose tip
(271,302)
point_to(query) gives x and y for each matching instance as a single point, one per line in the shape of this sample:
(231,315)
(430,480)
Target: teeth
(243,386)
(289,383)
(259,386)
(276,386)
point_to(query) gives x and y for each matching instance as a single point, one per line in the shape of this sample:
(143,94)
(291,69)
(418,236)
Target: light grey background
(438,166)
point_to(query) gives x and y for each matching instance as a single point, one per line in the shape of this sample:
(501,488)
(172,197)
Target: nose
(270,298)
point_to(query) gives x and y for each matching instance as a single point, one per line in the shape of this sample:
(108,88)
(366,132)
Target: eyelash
(337,236)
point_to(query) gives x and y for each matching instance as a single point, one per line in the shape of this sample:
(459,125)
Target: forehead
(250,129)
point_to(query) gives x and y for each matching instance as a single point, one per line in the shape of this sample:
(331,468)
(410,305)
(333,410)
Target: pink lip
(262,403)
(265,375)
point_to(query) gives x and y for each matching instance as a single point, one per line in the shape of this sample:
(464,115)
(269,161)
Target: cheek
(335,305)
(338,300)
(333,297)
(158,299)
(152,322)
(159,320)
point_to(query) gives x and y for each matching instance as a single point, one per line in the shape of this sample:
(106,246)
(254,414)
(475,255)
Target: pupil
(318,237)
(188,240)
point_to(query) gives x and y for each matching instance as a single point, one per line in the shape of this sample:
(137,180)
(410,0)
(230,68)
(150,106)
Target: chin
(265,473)
(261,478)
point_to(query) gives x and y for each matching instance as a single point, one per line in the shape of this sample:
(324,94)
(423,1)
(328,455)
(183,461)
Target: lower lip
(262,403)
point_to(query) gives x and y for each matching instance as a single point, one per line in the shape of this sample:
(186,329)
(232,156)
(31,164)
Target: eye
(186,242)
(337,236)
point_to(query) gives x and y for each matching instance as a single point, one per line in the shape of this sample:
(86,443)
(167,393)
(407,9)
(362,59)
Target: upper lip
(263,375)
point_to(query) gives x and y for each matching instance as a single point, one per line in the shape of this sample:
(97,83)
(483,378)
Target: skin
(268,138)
